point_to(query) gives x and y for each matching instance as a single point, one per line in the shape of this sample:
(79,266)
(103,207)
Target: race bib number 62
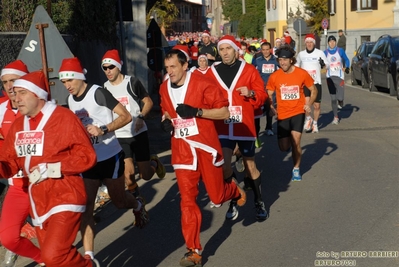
(29,143)
(185,127)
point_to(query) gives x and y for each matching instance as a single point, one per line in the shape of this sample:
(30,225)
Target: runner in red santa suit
(242,85)
(52,155)
(190,104)
(16,203)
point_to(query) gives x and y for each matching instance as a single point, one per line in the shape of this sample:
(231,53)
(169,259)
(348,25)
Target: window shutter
(353,5)
(374,4)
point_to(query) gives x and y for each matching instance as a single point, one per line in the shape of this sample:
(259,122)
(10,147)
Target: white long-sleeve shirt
(310,63)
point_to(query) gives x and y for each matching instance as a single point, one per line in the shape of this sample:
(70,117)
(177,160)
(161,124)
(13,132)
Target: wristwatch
(140,116)
(252,93)
(200,112)
(104,129)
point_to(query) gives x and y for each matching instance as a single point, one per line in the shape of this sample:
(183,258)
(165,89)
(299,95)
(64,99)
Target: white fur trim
(67,75)
(227,41)
(40,92)
(310,39)
(12,71)
(112,62)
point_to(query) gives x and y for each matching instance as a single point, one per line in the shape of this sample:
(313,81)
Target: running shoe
(191,259)
(261,213)
(340,104)
(232,212)
(240,167)
(269,132)
(160,170)
(258,144)
(315,128)
(213,205)
(296,175)
(141,216)
(96,263)
(335,121)
(308,124)
(10,259)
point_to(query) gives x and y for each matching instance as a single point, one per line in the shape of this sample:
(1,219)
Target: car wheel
(392,89)
(365,84)
(353,80)
(371,82)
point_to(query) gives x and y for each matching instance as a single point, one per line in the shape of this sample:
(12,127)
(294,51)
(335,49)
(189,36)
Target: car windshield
(369,47)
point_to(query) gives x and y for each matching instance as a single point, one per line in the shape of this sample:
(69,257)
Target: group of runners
(209,111)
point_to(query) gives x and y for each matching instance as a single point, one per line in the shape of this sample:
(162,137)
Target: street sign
(324,23)
(300,26)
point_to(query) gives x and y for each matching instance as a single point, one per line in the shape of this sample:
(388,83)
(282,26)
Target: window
(357,5)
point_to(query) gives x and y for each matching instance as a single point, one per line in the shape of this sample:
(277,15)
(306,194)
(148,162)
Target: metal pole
(122,36)
(49,8)
(243,6)
(40,28)
(300,35)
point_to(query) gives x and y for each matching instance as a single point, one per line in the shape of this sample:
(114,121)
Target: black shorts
(318,97)
(286,126)
(247,148)
(111,168)
(137,146)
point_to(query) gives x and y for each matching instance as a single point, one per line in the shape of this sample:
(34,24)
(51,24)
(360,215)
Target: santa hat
(184,49)
(71,69)
(286,33)
(206,33)
(310,37)
(112,57)
(34,82)
(278,40)
(229,39)
(263,41)
(16,67)
(202,56)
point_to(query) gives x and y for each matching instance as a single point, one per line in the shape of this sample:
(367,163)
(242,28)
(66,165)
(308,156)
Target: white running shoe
(335,121)
(315,129)
(308,124)
(213,205)
(10,259)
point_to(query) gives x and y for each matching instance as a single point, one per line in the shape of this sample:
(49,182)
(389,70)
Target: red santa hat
(71,69)
(229,39)
(286,33)
(112,57)
(263,41)
(206,33)
(310,37)
(184,49)
(34,82)
(16,67)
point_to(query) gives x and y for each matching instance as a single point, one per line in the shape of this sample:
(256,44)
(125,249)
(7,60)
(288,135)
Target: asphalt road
(345,209)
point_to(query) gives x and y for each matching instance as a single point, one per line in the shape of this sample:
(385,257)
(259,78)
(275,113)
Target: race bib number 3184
(29,143)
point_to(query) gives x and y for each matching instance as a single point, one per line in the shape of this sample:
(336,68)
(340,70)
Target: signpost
(299,27)
(324,25)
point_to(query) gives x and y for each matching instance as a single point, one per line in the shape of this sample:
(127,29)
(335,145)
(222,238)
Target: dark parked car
(384,65)
(359,66)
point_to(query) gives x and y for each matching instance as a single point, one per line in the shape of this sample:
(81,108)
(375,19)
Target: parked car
(359,65)
(384,65)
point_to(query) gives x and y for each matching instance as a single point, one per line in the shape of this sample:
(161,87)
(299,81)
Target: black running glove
(186,111)
(322,64)
(347,70)
(166,125)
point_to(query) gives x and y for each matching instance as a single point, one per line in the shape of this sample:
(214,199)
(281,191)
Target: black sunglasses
(111,67)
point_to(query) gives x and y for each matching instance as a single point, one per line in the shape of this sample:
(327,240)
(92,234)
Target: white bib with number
(267,68)
(290,92)
(185,127)
(312,74)
(29,143)
(335,66)
(235,115)
(124,100)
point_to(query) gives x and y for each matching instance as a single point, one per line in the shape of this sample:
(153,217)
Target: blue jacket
(265,73)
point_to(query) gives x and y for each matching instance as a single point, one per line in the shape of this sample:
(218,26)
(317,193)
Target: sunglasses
(110,67)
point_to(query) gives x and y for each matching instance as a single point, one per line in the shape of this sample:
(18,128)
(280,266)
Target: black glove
(186,111)
(167,126)
(347,70)
(321,61)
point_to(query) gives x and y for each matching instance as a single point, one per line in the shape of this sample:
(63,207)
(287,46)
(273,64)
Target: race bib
(267,68)
(335,66)
(195,54)
(29,143)
(235,115)
(312,74)
(124,100)
(185,127)
(290,92)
